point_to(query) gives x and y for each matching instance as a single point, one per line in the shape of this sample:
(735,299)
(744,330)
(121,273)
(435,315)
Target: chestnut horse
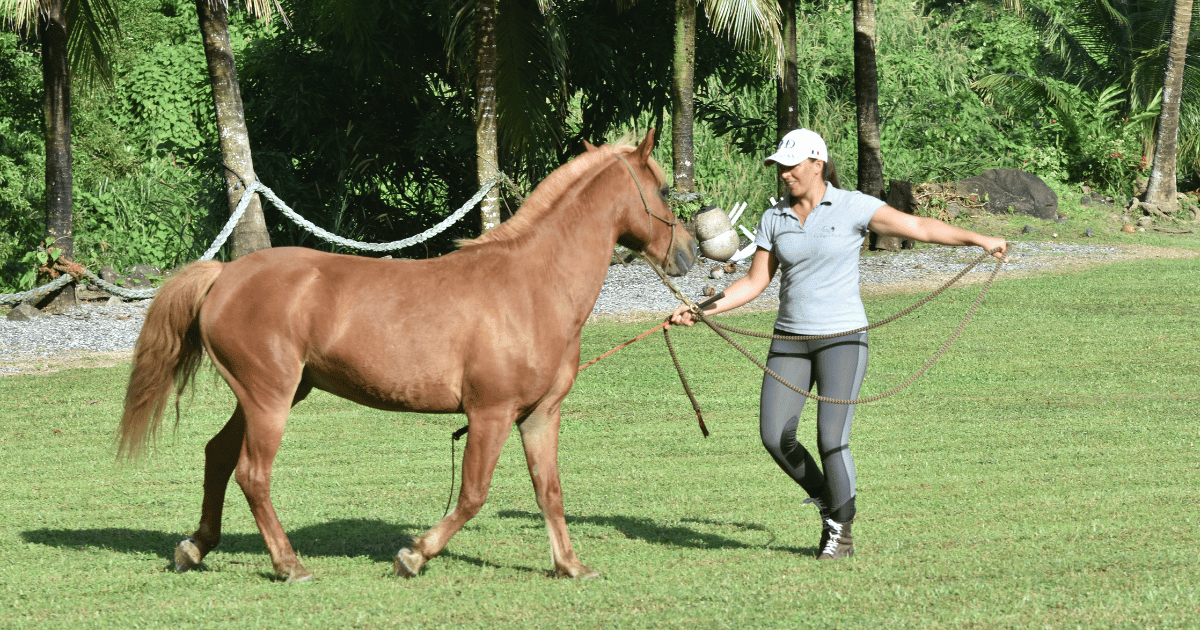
(491,330)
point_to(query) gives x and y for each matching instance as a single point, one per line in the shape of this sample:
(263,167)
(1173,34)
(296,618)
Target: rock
(108,274)
(90,292)
(1006,188)
(114,300)
(717,239)
(138,276)
(1128,228)
(1145,222)
(900,197)
(622,257)
(716,273)
(1088,233)
(730,267)
(1028,229)
(24,312)
(709,290)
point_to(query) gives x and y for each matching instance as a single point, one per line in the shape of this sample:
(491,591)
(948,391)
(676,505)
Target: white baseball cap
(799,145)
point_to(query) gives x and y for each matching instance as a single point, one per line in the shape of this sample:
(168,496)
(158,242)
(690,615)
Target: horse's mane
(550,190)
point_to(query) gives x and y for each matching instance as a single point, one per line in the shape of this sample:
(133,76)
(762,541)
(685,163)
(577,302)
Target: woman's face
(802,178)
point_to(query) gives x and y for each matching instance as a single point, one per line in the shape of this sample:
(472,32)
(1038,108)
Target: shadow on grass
(649,530)
(351,538)
(379,540)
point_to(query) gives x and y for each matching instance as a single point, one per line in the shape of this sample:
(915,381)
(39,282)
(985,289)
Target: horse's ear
(647,145)
(588,146)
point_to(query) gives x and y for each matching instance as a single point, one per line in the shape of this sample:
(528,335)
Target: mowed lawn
(1043,474)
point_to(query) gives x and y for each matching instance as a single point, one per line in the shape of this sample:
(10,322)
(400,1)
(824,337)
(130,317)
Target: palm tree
(866,98)
(749,23)
(75,36)
(1107,49)
(787,89)
(250,234)
(1160,191)
(487,150)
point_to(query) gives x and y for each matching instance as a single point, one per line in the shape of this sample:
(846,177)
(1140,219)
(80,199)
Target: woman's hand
(683,316)
(990,243)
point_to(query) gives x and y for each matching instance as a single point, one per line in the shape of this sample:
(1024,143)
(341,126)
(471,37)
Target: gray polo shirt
(818,261)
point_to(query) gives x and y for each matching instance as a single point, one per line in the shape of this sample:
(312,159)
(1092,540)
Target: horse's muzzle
(685,257)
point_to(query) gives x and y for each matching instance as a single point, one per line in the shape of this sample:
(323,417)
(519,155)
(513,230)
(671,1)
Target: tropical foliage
(360,112)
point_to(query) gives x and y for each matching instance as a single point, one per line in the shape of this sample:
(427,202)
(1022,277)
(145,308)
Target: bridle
(646,204)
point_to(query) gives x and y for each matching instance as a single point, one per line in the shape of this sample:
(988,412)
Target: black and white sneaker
(836,541)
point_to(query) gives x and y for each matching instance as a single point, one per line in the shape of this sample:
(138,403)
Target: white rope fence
(223,235)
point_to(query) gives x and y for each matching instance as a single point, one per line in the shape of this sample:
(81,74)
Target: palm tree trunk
(683,146)
(53,31)
(787,88)
(866,97)
(1161,189)
(486,144)
(250,234)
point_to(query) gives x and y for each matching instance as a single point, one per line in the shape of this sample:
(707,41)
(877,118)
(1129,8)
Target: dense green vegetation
(361,119)
(1042,475)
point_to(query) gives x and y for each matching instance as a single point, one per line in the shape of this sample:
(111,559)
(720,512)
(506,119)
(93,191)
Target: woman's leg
(839,366)
(779,413)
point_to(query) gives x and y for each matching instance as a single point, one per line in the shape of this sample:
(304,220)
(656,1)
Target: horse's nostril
(684,259)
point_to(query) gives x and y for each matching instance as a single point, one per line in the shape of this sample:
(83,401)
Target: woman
(813,236)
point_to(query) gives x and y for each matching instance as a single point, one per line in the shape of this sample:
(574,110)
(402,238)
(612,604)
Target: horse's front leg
(485,439)
(539,436)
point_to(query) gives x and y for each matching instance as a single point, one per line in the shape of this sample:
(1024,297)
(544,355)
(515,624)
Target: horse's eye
(664,192)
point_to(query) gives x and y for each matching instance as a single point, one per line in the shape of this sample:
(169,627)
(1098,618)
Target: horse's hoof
(408,563)
(299,575)
(577,573)
(187,555)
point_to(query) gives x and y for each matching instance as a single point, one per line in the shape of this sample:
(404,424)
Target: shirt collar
(784,205)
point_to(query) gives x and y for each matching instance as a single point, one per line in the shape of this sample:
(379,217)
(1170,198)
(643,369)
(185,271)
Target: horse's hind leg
(539,436)
(264,432)
(484,443)
(220,458)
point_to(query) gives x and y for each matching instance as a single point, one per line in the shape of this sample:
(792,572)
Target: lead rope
(721,328)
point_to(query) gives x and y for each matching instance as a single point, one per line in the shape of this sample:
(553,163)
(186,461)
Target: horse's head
(649,225)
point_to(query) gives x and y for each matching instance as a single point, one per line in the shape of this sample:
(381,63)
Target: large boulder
(1005,188)
(900,197)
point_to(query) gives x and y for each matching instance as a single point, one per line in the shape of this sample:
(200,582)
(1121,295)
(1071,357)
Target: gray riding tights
(836,367)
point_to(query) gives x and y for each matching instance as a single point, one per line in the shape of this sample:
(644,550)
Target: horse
(491,330)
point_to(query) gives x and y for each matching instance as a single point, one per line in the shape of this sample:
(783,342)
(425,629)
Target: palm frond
(750,24)
(19,15)
(530,79)
(93,28)
(1018,92)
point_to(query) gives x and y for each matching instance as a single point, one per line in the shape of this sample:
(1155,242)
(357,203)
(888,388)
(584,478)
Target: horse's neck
(572,252)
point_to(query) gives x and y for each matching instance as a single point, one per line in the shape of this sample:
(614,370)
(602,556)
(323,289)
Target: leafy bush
(22,156)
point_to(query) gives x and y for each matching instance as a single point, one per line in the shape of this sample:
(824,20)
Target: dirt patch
(70,360)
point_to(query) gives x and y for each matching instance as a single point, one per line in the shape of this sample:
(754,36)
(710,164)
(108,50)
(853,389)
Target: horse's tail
(168,353)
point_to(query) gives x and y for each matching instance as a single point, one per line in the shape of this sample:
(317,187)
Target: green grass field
(1043,474)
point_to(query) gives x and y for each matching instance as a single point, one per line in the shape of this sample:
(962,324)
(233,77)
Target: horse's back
(392,334)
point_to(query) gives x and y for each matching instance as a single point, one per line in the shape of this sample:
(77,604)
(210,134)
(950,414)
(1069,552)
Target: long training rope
(721,329)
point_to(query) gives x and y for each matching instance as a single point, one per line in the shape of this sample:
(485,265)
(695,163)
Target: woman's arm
(889,221)
(740,291)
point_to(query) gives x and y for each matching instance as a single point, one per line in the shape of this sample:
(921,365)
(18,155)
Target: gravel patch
(99,334)
(635,292)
